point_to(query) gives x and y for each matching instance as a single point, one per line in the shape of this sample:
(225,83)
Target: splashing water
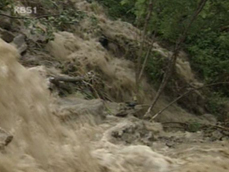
(42,144)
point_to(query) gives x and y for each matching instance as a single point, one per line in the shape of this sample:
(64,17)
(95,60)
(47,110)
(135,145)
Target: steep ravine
(50,125)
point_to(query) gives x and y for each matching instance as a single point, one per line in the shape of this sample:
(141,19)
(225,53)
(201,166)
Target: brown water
(42,144)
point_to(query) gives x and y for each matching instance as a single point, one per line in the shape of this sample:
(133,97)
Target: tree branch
(187,92)
(144,64)
(148,16)
(36,17)
(173,58)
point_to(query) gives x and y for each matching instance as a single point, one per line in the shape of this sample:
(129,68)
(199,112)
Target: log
(57,79)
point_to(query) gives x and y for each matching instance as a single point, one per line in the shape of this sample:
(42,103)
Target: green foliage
(53,24)
(169,17)
(194,126)
(215,104)
(207,42)
(156,67)
(94,20)
(117,10)
(44,7)
(67,17)
(6,5)
(210,57)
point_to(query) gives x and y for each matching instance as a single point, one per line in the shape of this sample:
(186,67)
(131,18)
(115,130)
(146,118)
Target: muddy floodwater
(93,140)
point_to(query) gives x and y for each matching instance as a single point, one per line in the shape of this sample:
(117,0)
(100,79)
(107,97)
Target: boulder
(6,35)
(19,43)
(5,22)
(5,138)
(74,108)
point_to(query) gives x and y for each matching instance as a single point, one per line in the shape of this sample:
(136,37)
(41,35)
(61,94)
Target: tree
(173,58)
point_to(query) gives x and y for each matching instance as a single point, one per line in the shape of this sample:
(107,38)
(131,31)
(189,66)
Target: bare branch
(187,92)
(148,16)
(173,58)
(36,17)
(147,57)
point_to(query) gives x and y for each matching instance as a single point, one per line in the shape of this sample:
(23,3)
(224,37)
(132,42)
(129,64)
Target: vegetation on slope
(207,43)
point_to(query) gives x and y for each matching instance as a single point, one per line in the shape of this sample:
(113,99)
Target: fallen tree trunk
(57,79)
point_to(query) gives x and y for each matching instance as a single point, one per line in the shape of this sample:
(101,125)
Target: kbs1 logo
(25,10)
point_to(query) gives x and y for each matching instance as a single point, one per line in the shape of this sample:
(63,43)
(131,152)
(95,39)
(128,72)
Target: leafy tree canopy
(208,38)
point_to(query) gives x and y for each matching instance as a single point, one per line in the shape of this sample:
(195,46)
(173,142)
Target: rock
(5,138)
(209,119)
(19,42)
(122,114)
(132,131)
(5,22)
(74,108)
(34,37)
(6,35)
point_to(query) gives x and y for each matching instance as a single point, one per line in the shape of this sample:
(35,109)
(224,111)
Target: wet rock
(74,108)
(6,35)
(34,37)
(170,144)
(5,139)
(133,132)
(209,119)
(5,22)
(19,42)
(121,114)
